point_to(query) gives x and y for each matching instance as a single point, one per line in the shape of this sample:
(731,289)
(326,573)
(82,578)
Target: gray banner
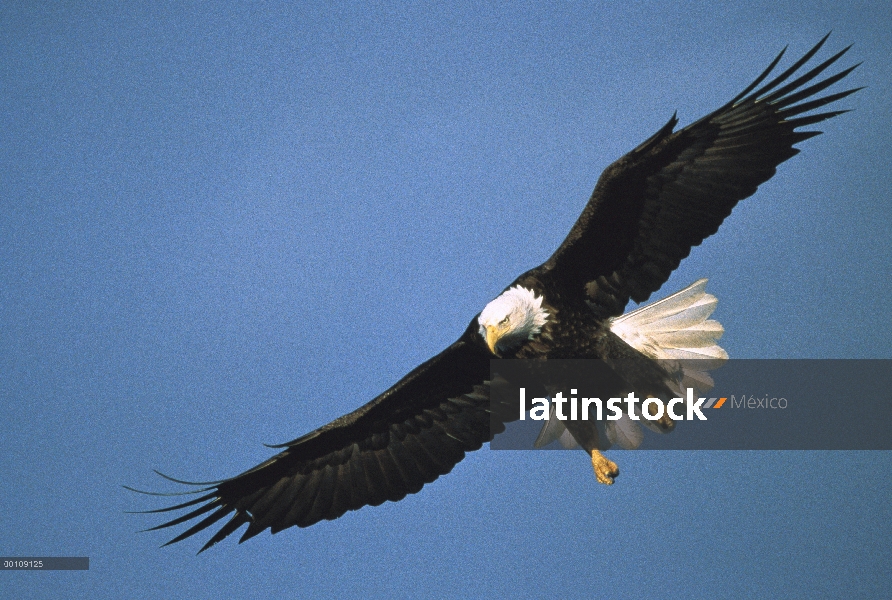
(753,404)
(44,563)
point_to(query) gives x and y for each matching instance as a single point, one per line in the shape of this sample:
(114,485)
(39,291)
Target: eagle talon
(605,470)
(666,423)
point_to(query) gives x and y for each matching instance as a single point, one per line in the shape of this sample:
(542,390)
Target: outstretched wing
(653,205)
(406,437)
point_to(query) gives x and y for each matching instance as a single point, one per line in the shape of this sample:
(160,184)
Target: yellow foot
(605,470)
(665,423)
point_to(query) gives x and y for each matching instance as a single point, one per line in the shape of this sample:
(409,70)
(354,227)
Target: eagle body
(647,211)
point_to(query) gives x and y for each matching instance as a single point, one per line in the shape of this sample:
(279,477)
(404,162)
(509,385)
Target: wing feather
(653,205)
(407,437)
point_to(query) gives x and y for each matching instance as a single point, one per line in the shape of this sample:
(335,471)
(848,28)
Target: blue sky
(224,225)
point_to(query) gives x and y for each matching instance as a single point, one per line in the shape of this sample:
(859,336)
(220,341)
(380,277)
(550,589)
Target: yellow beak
(492,338)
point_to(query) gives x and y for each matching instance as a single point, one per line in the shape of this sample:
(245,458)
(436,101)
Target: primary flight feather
(647,211)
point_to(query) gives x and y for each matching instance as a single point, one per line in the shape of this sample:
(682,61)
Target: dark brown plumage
(647,211)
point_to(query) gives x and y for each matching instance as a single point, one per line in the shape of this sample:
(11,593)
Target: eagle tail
(676,328)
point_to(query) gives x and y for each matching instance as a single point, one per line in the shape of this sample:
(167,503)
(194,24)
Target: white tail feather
(677,327)
(567,441)
(625,432)
(552,429)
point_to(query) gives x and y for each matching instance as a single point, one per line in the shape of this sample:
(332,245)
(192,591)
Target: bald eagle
(647,211)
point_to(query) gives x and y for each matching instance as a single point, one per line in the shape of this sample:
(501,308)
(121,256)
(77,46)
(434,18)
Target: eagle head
(512,318)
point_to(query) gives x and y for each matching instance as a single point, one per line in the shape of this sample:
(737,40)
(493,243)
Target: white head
(512,318)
